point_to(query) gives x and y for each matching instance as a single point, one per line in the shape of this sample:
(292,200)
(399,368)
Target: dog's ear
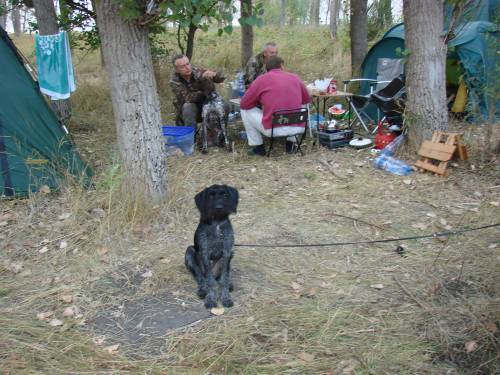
(233,198)
(200,199)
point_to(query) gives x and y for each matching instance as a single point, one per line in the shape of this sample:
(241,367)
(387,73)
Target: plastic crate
(179,137)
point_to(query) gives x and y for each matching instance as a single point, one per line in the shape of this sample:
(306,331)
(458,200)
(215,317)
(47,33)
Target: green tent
(473,47)
(35,149)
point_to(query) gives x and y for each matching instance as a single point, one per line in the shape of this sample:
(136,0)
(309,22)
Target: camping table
(316,98)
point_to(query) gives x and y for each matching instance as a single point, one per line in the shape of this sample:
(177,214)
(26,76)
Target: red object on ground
(383,137)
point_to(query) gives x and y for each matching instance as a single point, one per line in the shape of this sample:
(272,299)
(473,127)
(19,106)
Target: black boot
(259,150)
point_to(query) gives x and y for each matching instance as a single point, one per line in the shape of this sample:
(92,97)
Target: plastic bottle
(391,148)
(392,165)
(240,84)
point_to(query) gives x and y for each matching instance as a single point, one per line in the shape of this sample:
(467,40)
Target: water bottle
(392,165)
(391,148)
(240,84)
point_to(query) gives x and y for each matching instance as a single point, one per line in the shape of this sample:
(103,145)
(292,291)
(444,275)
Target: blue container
(179,137)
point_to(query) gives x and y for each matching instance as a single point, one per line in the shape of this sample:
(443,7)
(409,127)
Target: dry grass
(304,310)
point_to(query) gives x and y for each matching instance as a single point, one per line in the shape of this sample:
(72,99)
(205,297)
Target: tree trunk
(334,17)
(16,21)
(246,33)
(3,16)
(282,13)
(426,109)
(314,12)
(190,41)
(359,34)
(136,105)
(45,14)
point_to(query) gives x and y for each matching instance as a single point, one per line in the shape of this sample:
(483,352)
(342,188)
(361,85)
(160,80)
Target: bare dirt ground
(110,277)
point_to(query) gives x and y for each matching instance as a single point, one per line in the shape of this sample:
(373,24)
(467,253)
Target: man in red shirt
(270,92)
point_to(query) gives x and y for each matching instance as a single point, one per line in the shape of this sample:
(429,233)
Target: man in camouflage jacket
(256,66)
(190,86)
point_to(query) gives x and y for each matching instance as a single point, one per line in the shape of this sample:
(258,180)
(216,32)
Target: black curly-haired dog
(214,118)
(209,260)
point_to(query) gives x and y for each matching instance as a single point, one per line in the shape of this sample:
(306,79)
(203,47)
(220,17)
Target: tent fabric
(472,45)
(34,148)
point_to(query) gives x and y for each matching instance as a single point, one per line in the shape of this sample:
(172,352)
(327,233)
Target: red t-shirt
(275,90)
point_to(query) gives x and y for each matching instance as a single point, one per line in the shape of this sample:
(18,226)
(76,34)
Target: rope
(432,235)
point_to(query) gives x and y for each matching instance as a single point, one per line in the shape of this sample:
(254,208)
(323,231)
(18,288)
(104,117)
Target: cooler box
(334,139)
(179,137)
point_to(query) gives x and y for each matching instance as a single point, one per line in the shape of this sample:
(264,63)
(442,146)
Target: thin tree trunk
(359,34)
(334,17)
(3,16)
(190,41)
(425,71)
(314,12)
(16,21)
(136,105)
(45,14)
(246,33)
(282,13)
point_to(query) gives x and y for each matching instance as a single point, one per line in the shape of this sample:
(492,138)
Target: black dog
(214,121)
(210,257)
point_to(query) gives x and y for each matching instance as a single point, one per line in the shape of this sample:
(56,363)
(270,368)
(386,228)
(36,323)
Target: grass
(303,310)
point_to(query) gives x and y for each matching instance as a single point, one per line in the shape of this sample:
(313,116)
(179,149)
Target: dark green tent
(473,47)
(35,150)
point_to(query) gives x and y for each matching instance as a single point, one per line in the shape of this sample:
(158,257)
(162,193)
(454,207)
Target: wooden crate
(436,153)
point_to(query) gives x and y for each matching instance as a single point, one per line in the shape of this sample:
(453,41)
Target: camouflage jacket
(194,91)
(254,68)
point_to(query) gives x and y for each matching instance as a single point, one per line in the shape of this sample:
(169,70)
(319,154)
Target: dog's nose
(219,205)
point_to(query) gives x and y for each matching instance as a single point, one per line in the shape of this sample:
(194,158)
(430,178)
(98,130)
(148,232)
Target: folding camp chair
(391,100)
(363,112)
(293,118)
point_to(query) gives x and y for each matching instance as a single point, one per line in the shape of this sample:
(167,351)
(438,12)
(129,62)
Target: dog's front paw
(210,302)
(201,292)
(227,302)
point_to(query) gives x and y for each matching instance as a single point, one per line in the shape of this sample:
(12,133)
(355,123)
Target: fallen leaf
(492,327)
(443,221)
(111,349)
(3,223)
(103,254)
(295,286)
(63,245)
(253,170)
(55,323)
(421,226)
(407,181)
(217,311)
(99,340)
(471,346)
(147,274)
(69,312)
(45,189)
(64,216)
(43,250)
(66,298)
(306,357)
(495,203)
(311,292)
(377,286)
(44,315)
(431,214)
(325,284)
(492,245)
(15,267)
